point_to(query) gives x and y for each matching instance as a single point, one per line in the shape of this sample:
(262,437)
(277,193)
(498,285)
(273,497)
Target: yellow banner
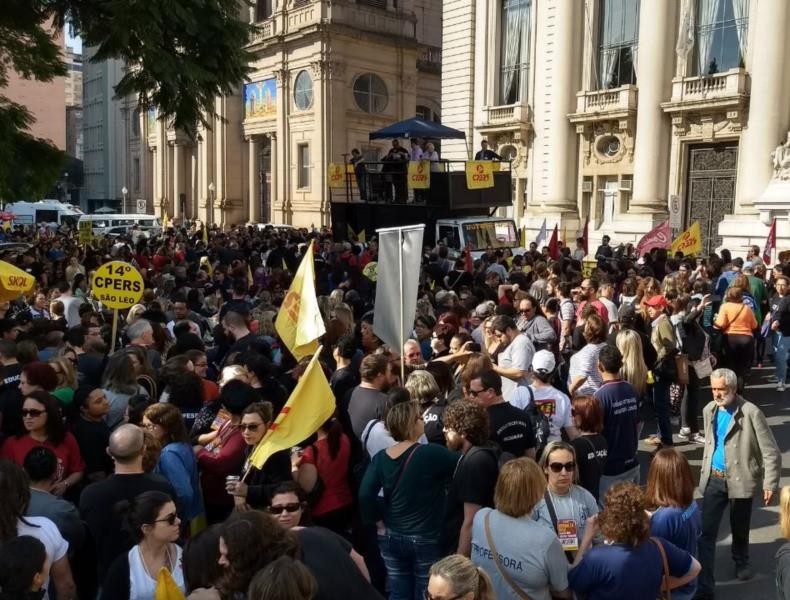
(337,176)
(479,174)
(419,174)
(689,242)
(86,232)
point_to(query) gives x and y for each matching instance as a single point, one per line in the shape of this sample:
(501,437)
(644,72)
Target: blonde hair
(134,313)
(784,511)
(634,369)
(233,372)
(422,387)
(519,487)
(401,419)
(67,370)
(464,577)
(555,446)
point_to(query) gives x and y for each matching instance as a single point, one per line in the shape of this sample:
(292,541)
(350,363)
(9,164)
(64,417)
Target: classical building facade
(614,109)
(325,75)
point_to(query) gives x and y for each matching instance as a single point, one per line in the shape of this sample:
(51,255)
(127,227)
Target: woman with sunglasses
(152,522)
(43,425)
(565,506)
(256,489)
(455,577)
(177,462)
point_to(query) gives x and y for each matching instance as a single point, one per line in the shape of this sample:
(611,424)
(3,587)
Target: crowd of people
(495,455)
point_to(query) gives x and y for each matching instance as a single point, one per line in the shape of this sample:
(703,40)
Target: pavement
(765,538)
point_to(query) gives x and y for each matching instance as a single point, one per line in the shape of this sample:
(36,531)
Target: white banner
(400,254)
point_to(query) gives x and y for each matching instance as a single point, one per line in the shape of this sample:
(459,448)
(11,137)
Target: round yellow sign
(117,285)
(371,270)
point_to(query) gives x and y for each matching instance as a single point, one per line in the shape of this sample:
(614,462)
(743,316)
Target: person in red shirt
(44,427)
(589,295)
(161,259)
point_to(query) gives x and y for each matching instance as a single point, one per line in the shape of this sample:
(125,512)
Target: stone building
(615,108)
(324,76)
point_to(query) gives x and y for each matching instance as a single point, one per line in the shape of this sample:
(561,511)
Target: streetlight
(124,191)
(211,194)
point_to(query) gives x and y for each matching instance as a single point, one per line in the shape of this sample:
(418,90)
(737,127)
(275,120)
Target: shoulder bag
(666,593)
(402,472)
(505,575)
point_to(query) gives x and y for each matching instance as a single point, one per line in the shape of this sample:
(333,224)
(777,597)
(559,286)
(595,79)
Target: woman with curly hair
(608,570)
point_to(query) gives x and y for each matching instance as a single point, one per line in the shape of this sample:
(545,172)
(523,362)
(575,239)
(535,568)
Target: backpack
(541,425)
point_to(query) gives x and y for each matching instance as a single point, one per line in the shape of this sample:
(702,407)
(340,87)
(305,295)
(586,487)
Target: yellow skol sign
(479,174)
(86,232)
(337,175)
(117,285)
(689,242)
(419,174)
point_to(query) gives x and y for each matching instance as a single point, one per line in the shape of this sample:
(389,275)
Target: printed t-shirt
(620,424)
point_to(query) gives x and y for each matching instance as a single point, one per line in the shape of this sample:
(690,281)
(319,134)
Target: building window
(720,35)
(263,9)
(376,3)
(136,175)
(423,112)
(514,51)
(303,158)
(370,93)
(136,122)
(303,91)
(618,38)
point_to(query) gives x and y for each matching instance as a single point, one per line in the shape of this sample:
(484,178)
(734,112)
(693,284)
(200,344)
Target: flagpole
(400,277)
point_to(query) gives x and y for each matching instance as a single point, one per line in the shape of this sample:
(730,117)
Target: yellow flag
(205,234)
(250,280)
(419,174)
(309,406)
(479,174)
(361,237)
(299,321)
(166,587)
(205,262)
(689,242)
(350,232)
(337,178)
(522,242)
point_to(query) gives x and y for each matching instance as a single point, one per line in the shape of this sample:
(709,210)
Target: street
(765,537)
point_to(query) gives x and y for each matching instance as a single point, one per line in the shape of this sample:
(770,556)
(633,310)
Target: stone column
(253,174)
(557,79)
(274,190)
(768,115)
(654,77)
(178,178)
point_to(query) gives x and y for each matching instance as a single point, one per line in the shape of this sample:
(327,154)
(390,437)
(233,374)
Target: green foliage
(181,55)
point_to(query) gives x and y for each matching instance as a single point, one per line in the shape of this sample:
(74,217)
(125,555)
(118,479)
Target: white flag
(542,234)
(400,254)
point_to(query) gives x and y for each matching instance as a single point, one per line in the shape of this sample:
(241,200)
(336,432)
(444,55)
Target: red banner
(585,235)
(770,243)
(554,247)
(659,237)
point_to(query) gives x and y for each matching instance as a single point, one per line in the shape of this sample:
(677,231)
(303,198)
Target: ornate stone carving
(281,75)
(781,160)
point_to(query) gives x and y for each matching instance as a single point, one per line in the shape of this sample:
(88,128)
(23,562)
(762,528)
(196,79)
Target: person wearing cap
(551,402)
(663,339)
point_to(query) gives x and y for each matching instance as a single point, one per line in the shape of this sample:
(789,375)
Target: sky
(74,42)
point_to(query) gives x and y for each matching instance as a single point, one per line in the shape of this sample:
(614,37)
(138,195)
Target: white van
(44,211)
(480,232)
(111,223)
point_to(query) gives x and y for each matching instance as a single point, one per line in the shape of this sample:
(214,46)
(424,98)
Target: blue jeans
(661,408)
(408,559)
(781,346)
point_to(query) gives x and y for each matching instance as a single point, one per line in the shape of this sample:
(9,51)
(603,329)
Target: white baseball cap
(543,361)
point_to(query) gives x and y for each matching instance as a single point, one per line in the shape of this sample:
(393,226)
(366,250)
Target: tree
(181,55)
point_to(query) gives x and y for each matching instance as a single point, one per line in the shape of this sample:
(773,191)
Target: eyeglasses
(249,426)
(291,508)
(526,310)
(475,393)
(32,412)
(169,519)
(429,596)
(558,467)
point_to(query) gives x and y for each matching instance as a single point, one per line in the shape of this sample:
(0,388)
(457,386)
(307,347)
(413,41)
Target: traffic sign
(675,212)
(117,285)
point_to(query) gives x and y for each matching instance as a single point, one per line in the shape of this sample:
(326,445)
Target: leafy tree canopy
(181,54)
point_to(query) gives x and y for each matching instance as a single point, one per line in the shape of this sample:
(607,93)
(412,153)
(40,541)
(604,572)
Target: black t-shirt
(97,509)
(89,369)
(327,557)
(591,453)
(343,380)
(780,311)
(473,483)
(11,400)
(511,428)
(93,437)
(433,418)
(459,279)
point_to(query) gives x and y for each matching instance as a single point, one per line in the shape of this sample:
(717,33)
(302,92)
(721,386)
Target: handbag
(505,575)
(682,369)
(666,593)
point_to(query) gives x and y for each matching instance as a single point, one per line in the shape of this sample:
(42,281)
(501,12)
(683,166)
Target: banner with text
(479,174)
(337,175)
(419,174)
(689,242)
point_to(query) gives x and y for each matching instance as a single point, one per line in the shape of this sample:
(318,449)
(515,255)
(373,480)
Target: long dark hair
(56,431)
(142,510)
(15,492)
(334,434)
(201,559)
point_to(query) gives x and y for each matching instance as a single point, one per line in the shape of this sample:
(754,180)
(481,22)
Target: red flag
(585,235)
(770,243)
(554,247)
(468,262)
(659,237)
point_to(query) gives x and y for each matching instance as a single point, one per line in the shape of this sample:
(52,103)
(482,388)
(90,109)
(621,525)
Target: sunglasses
(558,467)
(250,426)
(32,412)
(169,519)
(291,508)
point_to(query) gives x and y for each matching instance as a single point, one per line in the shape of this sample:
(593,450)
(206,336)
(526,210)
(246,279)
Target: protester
(24,566)
(783,554)
(590,445)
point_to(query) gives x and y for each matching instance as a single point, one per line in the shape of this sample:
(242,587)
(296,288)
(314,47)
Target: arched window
(303,91)
(370,93)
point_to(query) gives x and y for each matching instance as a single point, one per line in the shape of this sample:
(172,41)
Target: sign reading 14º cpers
(117,285)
